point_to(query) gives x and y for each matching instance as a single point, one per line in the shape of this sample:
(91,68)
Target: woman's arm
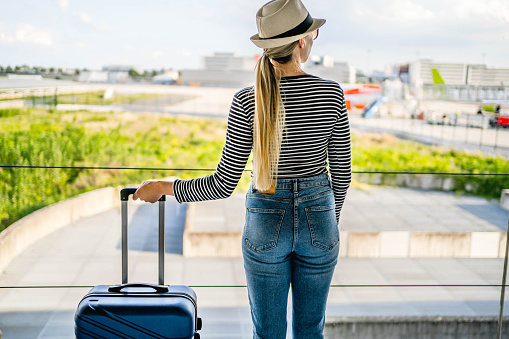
(339,154)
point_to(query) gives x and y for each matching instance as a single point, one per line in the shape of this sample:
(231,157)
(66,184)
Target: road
(491,141)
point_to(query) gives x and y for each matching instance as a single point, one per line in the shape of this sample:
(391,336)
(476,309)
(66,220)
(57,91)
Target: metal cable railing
(245,286)
(213,169)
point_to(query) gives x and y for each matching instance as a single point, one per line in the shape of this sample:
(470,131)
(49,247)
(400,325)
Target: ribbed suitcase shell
(137,312)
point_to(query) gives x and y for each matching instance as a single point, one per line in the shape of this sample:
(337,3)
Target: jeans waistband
(299,183)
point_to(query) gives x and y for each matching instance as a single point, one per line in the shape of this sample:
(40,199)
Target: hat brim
(270,43)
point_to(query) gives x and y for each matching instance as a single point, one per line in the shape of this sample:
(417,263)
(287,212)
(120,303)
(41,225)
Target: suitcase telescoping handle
(124,197)
(157,288)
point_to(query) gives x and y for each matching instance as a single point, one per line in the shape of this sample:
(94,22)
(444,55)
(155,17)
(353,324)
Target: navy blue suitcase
(138,310)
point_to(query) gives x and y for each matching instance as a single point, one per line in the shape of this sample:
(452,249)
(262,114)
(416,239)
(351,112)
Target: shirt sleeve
(236,151)
(339,154)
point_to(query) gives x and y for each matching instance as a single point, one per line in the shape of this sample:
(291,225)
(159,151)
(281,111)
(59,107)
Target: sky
(155,34)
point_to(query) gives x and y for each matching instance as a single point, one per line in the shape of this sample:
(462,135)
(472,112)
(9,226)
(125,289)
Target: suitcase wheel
(199,325)
(196,336)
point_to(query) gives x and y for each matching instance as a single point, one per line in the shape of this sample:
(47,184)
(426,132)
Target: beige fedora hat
(281,22)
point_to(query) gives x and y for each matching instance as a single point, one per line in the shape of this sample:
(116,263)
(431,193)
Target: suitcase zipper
(139,294)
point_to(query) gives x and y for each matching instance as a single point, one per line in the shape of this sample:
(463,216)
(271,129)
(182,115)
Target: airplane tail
(437,78)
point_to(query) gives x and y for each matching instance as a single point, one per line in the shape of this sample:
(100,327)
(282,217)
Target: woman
(291,121)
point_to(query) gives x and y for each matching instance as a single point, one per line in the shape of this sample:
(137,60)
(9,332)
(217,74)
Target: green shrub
(372,154)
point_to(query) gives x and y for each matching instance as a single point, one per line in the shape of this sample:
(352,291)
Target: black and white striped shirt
(316,126)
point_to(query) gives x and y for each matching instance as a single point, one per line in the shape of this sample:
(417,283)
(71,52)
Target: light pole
(368,61)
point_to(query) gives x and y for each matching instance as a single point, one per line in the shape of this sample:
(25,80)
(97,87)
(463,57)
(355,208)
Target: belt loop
(295,186)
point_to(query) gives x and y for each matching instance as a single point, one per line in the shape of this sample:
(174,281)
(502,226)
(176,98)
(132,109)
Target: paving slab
(421,210)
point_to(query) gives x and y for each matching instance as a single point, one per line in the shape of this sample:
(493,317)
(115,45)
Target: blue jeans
(291,237)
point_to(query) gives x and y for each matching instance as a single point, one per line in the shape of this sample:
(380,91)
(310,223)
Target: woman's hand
(151,191)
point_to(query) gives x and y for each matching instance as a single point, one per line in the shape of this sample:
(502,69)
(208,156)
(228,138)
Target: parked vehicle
(500,120)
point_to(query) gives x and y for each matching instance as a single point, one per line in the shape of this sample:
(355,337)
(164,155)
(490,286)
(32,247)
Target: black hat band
(299,29)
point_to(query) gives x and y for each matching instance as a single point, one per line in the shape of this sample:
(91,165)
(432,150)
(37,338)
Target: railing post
(453,139)
(444,117)
(55,98)
(502,291)
(466,129)
(481,132)
(496,138)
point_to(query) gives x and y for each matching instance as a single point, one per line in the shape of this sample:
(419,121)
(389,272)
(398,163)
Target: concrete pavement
(86,253)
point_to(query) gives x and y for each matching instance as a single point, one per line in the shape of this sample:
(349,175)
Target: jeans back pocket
(262,228)
(323,226)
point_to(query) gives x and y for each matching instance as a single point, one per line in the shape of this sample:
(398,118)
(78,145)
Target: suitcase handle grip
(158,288)
(126,192)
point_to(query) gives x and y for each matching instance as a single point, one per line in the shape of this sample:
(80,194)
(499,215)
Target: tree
(77,71)
(52,70)
(1,69)
(154,73)
(133,73)
(9,69)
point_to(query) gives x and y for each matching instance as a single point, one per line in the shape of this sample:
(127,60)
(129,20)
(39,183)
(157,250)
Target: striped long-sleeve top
(316,128)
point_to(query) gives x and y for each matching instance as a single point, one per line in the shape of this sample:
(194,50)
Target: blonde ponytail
(269,117)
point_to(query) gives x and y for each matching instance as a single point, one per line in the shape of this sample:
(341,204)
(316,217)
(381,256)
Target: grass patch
(372,152)
(10,112)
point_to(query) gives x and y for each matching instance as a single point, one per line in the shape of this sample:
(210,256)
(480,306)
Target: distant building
(228,62)
(420,73)
(326,67)
(482,75)
(402,72)
(121,73)
(399,70)
(227,69)
(199,77)
(69,71)
(118,76)
(123,68)
(221,69)
(167,78)
(93,76)
(111,73)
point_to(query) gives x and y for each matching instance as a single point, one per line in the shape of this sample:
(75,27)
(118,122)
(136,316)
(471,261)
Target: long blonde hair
(269,117)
